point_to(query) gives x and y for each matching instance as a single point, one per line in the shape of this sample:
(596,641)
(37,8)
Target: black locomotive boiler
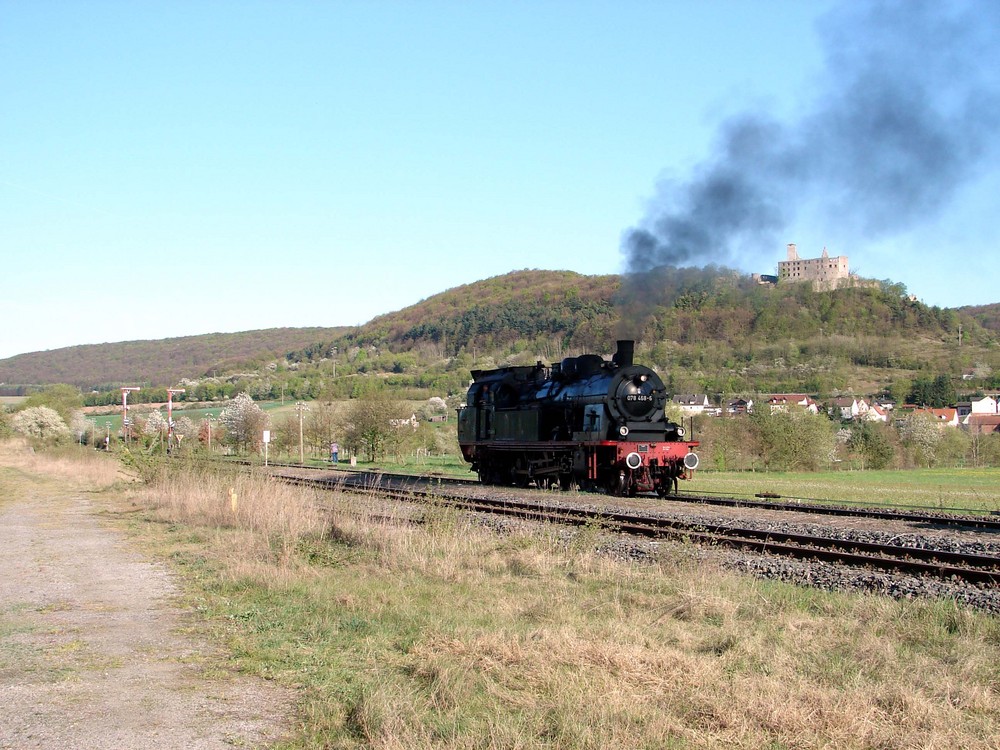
(582,422)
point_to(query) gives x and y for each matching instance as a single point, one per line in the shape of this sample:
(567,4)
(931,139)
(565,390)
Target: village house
(692,403)
(781,402)
(848,408)
(877,413)
(985,405)
(980,416)
(887,404)
(982,424)
(940,417)
(739,406)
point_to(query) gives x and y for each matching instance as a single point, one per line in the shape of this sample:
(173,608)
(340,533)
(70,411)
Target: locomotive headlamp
(680,432)
(623,430)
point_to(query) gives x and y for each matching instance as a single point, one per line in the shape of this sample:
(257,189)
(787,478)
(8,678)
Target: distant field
(11,400)
(115,420)
(977,489)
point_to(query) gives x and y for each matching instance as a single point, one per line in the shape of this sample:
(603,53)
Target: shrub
(40,423)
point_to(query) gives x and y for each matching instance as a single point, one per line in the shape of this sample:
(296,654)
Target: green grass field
(115,420)
(975,489)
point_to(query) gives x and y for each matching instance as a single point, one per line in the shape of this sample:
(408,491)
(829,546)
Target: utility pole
(125,424)
(170,412)
(301,408)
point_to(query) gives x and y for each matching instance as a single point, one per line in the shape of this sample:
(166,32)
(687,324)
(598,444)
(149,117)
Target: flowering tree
(921,435)
(156,424)
(184,426)
(80,426)
(244,422)
(40,422)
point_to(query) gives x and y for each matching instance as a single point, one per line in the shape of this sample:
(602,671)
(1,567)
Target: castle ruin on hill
(825,273)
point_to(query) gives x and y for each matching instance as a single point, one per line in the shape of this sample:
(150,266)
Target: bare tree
(322,427)
(373,424)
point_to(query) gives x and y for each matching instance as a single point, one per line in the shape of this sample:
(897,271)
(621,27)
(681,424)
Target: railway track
(761,501)
(971,568)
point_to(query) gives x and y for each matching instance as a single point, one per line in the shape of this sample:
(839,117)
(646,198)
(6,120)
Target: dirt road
(93,649)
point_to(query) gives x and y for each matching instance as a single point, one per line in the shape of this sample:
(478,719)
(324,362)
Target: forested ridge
(156,362)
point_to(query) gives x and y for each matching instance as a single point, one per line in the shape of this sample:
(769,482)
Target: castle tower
(793,253)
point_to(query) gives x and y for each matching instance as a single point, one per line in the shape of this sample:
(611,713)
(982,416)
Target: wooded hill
(988,316)
(707,330)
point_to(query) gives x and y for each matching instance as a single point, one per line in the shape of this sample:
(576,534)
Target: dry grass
(77,465)
(448,635)
(269,519)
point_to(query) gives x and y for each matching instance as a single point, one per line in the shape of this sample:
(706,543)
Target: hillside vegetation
(988,316)
(155,362)
(707,330)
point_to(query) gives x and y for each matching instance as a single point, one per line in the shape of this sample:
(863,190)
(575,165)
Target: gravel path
(93,650)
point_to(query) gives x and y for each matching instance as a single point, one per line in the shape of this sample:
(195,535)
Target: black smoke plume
(905,110)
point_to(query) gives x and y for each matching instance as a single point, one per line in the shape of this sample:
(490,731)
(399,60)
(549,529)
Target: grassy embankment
(444,634)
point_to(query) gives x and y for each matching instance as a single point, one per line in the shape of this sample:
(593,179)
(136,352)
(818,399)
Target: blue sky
(169,169)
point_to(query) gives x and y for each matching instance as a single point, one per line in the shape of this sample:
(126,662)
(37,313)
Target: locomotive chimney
(623,357)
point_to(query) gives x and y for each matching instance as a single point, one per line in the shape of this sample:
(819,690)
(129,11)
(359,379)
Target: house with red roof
(782,402)
(941,417)
(876,413)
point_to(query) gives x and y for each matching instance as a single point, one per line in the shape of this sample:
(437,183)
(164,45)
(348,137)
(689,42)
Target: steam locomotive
(583,422)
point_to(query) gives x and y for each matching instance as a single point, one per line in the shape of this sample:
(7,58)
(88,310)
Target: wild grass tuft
(80,466)
(263,521)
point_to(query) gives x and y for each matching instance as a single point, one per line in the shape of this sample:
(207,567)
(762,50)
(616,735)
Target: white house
(877,413)
(985,405)
(848,408)
(691,403)
(941,417)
